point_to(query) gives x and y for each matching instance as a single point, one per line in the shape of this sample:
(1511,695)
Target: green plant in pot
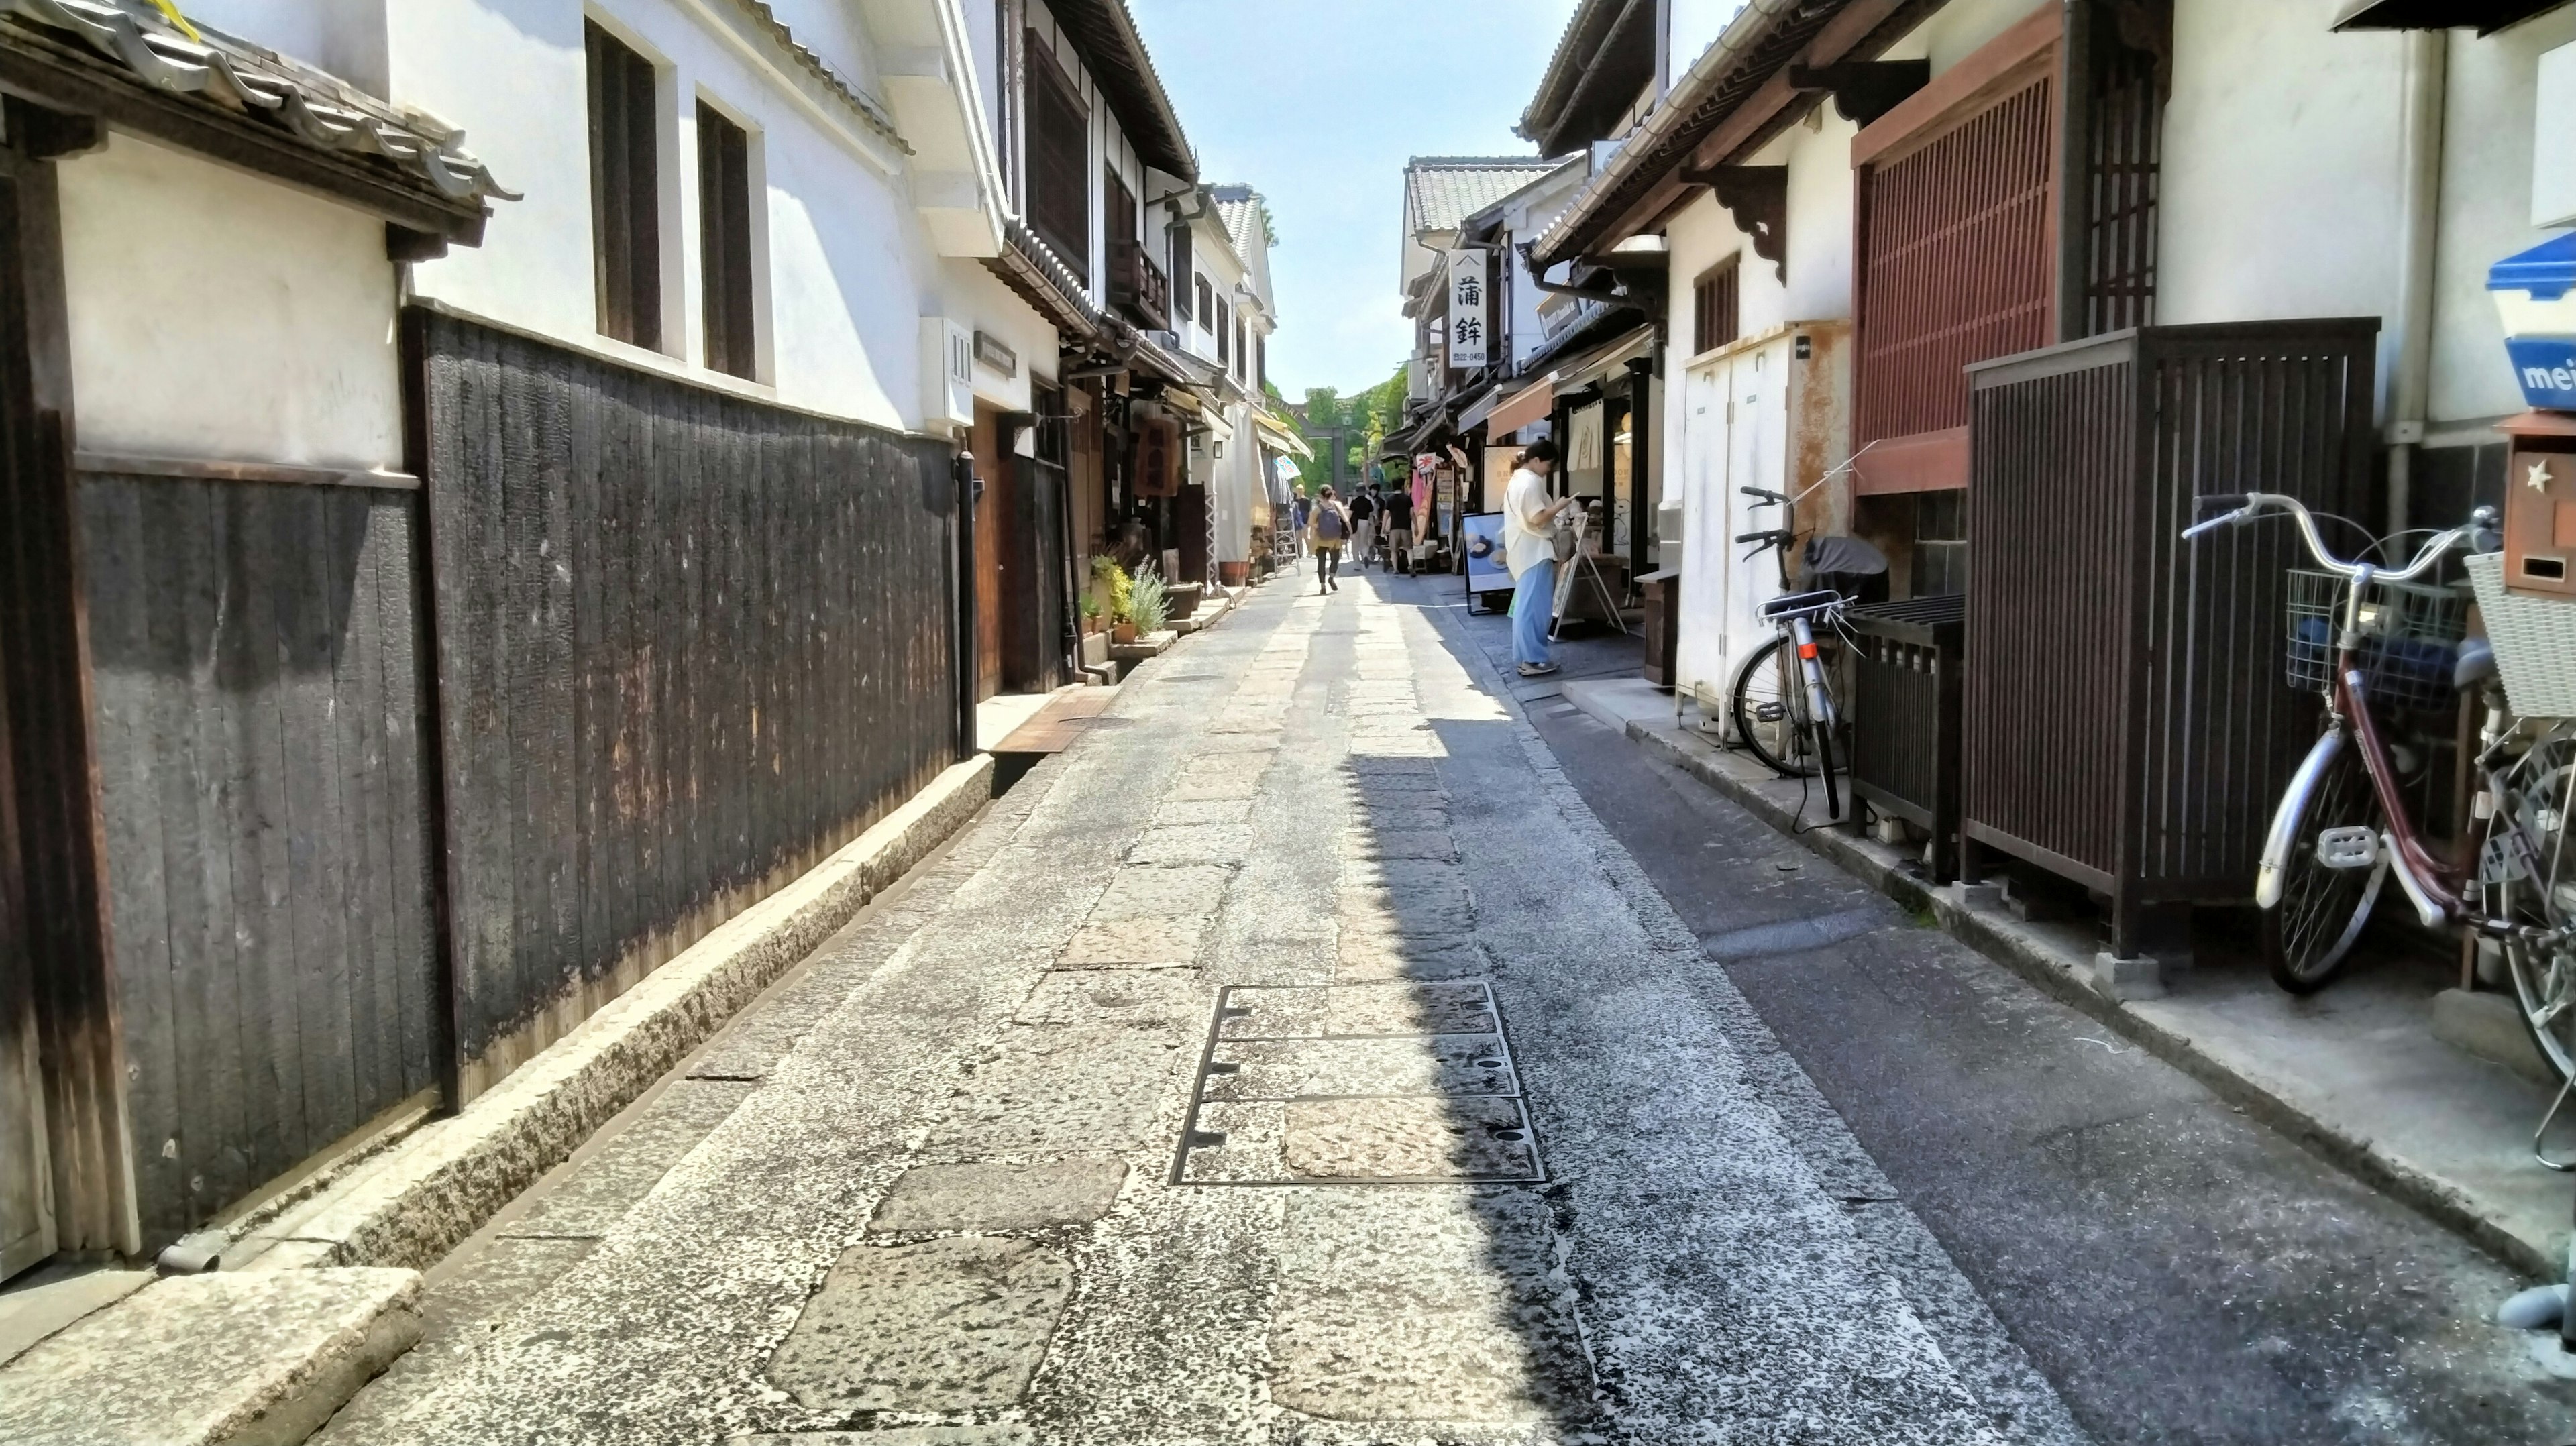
(1090,612)
(1111,586)
(1149,605)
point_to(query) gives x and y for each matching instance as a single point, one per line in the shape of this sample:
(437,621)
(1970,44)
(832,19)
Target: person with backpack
(1328,527)
(1363,524)
(1395,519)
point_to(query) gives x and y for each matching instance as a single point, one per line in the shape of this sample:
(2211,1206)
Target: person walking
(1363,525)
(1395,518)
(1300,517)
(1529,550)
(1329,528)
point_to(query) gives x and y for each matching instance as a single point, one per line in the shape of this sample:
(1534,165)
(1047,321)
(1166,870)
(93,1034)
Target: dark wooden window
(1240,349)
(1940,542)
(1261,362)
(1181,273)
(1224,334)
(2123,156)
(724,232)
(1956,262)
(625,199)
(1118,216)
(1207,305)
(1715,306)
(1059,160)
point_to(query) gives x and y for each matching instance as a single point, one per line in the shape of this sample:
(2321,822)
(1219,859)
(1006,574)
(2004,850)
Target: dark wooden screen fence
(2126,724)
(261,713)
(688,646)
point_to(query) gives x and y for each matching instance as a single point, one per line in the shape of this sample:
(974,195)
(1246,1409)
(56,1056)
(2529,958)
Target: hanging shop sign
(1158,452)
(1466,308)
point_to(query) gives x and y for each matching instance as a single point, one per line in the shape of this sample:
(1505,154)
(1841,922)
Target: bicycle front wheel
(2326,898)
(2527,874)
(1770,710)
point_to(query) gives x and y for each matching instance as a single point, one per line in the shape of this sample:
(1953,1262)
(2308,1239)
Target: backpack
(1330,522)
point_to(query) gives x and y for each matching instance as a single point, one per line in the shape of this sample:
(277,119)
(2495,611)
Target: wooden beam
(1863,90)
(1758,198)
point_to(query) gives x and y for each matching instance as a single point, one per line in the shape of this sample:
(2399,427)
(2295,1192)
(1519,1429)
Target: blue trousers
(1533,603)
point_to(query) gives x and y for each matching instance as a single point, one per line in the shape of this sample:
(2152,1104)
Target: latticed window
(1715,306)
(1059,151)
(625,198)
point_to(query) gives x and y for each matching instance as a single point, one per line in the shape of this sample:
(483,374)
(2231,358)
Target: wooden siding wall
(688,646)
(2126,721)
(261,719)
(1955,264)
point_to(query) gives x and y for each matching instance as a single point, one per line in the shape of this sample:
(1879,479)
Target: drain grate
(1400,1082)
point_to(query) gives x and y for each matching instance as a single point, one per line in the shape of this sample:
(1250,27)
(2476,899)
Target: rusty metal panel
(1955,263)
(2125,722)
(687,645)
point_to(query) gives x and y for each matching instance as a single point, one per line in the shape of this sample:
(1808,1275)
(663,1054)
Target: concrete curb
(2000,936)
(414,1203)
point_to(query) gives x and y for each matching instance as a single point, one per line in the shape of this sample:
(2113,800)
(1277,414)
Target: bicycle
(2342,827)
(1782,702)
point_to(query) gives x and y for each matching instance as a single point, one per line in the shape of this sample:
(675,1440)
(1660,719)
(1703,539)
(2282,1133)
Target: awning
(2489,16)
(1530,404)
(1275,435)
(1481,409)
(1597,364)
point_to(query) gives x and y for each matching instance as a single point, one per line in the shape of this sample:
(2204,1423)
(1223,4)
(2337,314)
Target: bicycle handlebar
(1767,537)
(2253,505)
(1765,493)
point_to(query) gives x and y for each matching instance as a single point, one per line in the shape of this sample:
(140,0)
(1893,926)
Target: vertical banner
(1466,309)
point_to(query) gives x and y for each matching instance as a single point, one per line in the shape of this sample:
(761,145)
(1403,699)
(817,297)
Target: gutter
(2418,238)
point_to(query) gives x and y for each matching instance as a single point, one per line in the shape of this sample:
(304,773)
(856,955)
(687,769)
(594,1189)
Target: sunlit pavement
(1295,1060)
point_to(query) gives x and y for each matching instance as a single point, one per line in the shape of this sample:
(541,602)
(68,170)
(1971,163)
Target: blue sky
(1316,104)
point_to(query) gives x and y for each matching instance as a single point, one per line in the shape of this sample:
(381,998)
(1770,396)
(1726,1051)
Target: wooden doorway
(26,1181)
(994,512)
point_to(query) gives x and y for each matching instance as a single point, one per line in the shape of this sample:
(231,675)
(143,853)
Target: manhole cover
(1384,1083)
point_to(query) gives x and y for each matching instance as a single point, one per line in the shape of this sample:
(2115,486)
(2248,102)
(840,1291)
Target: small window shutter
(1181,268)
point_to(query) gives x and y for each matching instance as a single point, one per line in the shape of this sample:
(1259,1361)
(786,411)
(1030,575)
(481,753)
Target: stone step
(255,1358)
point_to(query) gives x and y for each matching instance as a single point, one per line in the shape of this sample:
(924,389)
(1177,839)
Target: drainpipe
(2418,232)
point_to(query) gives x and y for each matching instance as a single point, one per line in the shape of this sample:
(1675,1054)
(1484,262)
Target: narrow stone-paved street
(1296,1060)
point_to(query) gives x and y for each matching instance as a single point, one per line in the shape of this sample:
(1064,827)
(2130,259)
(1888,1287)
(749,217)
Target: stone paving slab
(1288,1069)
(945,1325)
(991,1199)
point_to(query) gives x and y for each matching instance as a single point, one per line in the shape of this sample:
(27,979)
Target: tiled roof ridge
(869,108)
(1477,163)
(318,108)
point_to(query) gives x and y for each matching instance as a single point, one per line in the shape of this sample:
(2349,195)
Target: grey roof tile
(1441,191)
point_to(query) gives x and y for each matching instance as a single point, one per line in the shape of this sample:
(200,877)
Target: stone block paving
(1204,1108)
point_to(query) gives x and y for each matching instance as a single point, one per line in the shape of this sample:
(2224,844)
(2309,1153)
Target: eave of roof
(1105,33)
(97,58)
(1763,40)
(1605,58)
(1517,171)
(1031,268)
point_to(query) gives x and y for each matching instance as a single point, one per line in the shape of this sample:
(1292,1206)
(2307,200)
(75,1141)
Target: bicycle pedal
(2355,847)
(1770,712)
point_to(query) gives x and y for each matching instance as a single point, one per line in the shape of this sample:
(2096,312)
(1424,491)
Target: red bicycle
(2359,633)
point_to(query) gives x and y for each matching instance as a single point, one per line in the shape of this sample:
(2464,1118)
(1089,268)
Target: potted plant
(1090,614)
(1112,589)
(1149,603)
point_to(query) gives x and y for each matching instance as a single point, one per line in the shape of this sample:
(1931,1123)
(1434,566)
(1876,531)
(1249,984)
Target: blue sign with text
(2546,367)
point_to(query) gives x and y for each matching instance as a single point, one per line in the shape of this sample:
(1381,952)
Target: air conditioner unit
(947,372)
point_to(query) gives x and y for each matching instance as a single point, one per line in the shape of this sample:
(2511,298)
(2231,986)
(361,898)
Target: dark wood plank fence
(261,714)
(688,646)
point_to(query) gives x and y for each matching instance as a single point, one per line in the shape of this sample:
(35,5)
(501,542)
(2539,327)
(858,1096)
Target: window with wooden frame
(1241,349)
(1181,273)
(1058,147)
(1261,362)
(1716,305)
(1224,334)
(725,259)
(625,189)
(1207,306)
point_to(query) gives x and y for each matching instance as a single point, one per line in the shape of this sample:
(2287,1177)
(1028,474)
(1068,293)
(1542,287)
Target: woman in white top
(1529,550)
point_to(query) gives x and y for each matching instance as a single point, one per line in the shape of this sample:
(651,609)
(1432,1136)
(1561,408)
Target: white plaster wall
(344,37)
(978,298)
(1956,30)
(218,316)
(2488,131)
(2305,223)
(849,268)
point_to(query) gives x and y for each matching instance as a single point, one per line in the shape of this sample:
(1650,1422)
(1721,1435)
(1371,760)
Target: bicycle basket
(2534,640)
(2410,637)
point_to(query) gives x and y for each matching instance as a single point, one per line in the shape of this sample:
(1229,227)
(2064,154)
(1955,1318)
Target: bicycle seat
(2476,665)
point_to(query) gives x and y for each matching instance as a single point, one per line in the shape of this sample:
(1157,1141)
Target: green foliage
(1091,606)
(1269,227)
(1109,578)
(1149,605)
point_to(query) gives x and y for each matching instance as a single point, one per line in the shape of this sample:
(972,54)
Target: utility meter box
(947,372)
(2540,504)
(2535,295)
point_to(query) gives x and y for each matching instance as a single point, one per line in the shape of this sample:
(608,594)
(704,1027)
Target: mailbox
(2540,504)
(2535,297)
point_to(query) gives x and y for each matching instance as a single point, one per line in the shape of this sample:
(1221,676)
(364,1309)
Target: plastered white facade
(216,316)
(856,236)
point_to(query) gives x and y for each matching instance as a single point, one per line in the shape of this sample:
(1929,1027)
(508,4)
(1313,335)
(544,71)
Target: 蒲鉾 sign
(1466,308)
